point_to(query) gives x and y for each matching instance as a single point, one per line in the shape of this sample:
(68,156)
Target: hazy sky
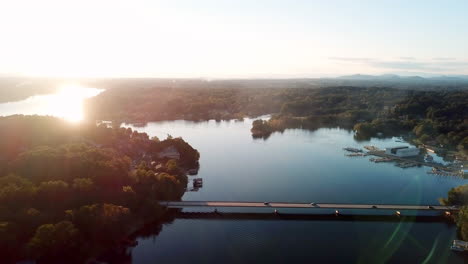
(237,38)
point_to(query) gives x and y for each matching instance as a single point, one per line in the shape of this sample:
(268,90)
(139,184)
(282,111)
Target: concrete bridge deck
(187,204)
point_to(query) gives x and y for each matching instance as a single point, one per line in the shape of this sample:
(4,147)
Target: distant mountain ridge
(395,77)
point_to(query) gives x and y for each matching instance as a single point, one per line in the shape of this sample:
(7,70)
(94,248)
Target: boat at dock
(198,182)
(356,150)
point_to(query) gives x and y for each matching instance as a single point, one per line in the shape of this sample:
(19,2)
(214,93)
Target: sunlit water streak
(66,103)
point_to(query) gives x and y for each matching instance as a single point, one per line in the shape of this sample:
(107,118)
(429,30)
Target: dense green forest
(69,191)
(202,103)
(154,104)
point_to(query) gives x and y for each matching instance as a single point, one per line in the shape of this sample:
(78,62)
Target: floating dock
(355,150)
(402,159)
(356,155)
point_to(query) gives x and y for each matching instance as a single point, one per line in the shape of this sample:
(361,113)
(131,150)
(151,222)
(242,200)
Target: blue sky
(238,38)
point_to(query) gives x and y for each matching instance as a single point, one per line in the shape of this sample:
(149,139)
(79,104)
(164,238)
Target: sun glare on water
(68,102)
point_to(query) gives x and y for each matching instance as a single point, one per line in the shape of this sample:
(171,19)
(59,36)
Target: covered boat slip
(459,245)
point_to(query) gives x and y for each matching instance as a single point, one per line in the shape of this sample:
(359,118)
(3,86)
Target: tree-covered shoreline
(434,117)
(459,196)
(70,191)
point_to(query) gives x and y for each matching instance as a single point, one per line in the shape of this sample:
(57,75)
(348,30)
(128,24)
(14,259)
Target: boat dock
(405,159)
(404,162)
(378,160)
(459,245)
(355,150)
(443,172)
(356,155)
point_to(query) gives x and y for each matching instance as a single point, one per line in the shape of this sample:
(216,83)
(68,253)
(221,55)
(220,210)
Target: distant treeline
(68,192)
(136,104)
(154,104)
(436,117)
(15,89)
(18,88)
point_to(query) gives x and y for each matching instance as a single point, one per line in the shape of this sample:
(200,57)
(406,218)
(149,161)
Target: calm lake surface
(297,166)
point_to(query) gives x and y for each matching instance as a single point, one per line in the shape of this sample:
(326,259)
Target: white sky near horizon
(238,38)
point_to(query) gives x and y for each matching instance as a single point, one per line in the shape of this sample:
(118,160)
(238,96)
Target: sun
(68,102)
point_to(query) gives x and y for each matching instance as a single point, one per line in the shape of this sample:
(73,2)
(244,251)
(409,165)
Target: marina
(406,157)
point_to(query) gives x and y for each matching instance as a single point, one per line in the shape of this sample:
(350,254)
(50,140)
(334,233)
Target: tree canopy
(63,184)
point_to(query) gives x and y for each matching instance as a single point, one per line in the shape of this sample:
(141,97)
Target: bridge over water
(335,206)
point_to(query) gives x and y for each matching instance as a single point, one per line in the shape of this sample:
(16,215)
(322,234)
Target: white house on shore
(403,151)
(170,153)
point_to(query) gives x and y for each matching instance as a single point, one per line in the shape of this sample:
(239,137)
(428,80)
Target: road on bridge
(185,204)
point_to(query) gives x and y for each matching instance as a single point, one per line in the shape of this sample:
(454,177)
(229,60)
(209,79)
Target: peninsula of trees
(69,191)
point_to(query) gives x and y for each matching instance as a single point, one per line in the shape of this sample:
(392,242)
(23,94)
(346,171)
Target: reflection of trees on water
(311,127)
(123,254)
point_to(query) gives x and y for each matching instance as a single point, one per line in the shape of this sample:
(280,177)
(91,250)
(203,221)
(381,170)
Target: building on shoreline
(170,153)
(403,151)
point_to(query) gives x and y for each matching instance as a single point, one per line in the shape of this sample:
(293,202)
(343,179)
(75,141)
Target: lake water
(297,166)
(66,103)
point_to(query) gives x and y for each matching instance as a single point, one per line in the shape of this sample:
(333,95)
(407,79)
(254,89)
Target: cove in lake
(296,166)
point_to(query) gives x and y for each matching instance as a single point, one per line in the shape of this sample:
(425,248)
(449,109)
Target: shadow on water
(312,217)
(152,231)
(123,254)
